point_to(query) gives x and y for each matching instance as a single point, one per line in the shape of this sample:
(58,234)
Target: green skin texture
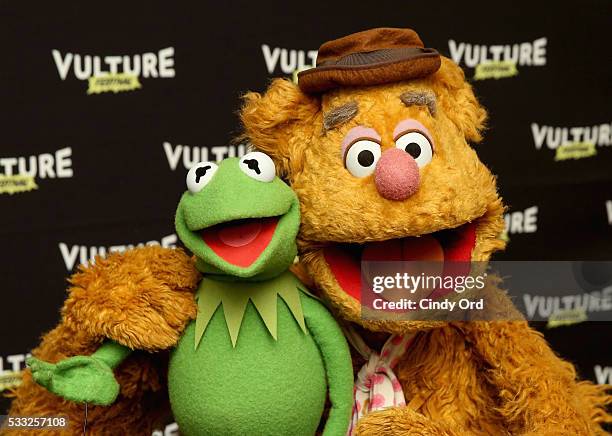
(260,386)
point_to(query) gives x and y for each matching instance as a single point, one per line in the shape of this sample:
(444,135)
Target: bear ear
(280,123)
(457,100)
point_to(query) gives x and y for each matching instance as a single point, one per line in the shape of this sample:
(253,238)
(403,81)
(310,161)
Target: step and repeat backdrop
(105,106)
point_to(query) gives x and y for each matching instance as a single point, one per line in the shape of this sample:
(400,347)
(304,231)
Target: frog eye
(199,175)
(417,145)
(258,165)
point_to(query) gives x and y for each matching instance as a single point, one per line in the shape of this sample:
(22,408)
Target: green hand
(82,379)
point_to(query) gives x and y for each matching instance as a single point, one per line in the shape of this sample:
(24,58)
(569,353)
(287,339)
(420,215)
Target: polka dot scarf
(376,385)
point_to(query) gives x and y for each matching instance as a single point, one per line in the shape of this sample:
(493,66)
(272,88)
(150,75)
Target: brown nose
(397,175)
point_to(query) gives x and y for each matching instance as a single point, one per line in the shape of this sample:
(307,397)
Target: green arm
(83,379)
(112,353)
(337,359)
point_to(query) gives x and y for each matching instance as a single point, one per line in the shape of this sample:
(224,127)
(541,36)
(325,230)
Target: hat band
(377,57)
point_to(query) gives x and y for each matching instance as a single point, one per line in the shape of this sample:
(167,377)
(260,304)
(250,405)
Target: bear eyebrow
(420,98)
(340,115)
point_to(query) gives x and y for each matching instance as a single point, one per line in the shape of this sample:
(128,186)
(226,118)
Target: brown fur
(142,299)
(481,378)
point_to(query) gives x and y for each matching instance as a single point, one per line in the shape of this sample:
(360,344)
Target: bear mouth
(449,245)
(240,242)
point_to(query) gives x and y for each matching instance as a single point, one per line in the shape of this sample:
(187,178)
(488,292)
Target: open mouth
(240,242)
(451,245)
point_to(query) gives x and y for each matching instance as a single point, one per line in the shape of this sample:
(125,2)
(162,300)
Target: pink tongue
(241,234)
(422,248)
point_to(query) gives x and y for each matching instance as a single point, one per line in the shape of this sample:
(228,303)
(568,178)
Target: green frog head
(238,218)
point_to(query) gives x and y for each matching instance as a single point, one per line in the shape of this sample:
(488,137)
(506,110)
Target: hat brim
(372,68)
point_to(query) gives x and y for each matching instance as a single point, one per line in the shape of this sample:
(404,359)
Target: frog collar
(234,299)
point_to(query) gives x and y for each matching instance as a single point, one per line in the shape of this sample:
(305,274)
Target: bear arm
(537,390)
(142,299)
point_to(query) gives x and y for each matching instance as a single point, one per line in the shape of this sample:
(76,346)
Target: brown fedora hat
(371,57)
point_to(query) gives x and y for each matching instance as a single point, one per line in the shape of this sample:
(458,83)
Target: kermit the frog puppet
(263,353)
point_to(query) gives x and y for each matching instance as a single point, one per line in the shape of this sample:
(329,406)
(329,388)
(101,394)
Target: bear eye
(258,165)
(199,175)
(417,145)
(361,157)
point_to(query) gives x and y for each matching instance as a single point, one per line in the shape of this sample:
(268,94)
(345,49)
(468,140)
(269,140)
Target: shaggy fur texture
(142,299)
(480,378)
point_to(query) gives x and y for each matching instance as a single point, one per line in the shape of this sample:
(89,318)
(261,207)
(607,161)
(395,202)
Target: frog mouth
(240,242)
(449,246)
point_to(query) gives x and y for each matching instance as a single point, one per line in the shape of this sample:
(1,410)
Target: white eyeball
(361,157)
(199,175)
(416,145)
(258,165)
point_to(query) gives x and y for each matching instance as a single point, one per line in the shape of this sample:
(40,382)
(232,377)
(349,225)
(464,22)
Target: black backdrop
(111,165)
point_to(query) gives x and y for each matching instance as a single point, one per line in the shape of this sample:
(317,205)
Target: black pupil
(253,165)
(413,149)
(201,172)
(365,158)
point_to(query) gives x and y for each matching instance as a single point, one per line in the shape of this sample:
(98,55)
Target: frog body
(262,386)
(263,354)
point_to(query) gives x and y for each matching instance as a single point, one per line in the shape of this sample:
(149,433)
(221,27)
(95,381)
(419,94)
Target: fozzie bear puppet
(375,142)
